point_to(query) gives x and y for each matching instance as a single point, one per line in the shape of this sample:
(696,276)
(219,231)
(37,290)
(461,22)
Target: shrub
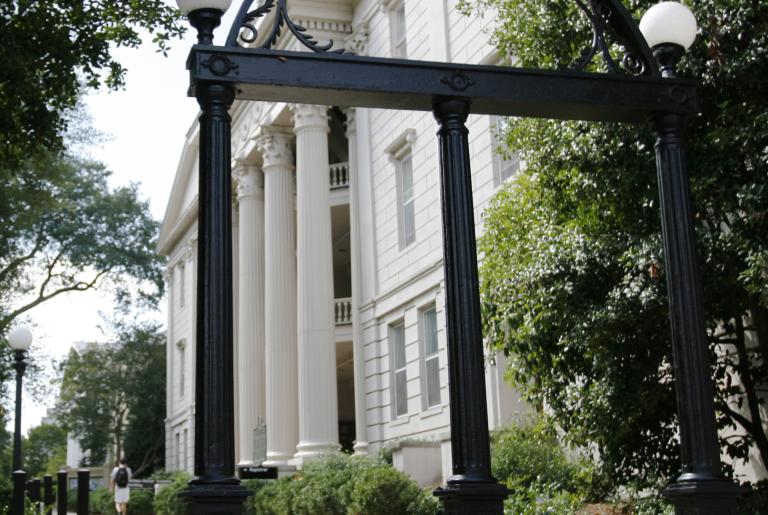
(529,459)
(756,501)
(167,500)
(141,502)
(101,502)
(338,485)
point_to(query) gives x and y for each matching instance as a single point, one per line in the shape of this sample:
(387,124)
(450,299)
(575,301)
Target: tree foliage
(113,398)
(44,447)
(50,47)
(64,229)
(573,277)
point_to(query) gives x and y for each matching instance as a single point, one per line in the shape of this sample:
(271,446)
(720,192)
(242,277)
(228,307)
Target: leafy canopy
(50,47)
(113,397)
(573,280)
(64,229)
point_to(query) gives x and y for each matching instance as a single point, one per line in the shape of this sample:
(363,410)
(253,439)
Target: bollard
(34,492)
(83,491)
(61,492)
(19,491)
(48,493)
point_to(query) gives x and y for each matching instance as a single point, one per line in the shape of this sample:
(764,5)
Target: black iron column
(19,492)
(83,490)
(215,488)
(701,489)
(61,492)
(48,493)
(471,488)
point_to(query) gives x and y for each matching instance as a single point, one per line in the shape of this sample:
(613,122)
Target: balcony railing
(339,175)
(343,311)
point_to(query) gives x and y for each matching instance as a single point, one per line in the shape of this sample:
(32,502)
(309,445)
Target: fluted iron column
(215,488)
(471,488)
(701,488)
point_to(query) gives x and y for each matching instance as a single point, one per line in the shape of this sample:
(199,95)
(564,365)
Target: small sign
(258,472)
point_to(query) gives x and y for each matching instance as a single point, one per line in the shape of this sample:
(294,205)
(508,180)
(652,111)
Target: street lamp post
(640,87)
(19,339)
(215,488)
(670,29)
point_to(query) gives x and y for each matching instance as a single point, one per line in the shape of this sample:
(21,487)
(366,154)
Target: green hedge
(167,500)
(340,485)
(529,459)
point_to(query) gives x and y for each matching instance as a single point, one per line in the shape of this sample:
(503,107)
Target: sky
(146,124)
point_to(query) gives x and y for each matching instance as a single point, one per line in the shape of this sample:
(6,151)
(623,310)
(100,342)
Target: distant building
(339,288)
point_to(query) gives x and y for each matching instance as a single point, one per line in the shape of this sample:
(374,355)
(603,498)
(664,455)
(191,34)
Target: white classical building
(339,290)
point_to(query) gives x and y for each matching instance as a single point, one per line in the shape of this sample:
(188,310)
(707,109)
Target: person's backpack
(121,478)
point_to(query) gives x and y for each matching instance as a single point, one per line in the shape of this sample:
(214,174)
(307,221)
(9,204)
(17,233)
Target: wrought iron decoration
(613,24)
(244,27)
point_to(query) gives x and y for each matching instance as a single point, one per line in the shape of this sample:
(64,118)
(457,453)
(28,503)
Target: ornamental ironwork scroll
(244,27)
(610,21)
(612,24)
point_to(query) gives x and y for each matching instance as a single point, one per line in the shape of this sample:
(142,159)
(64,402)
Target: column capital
(250,181)
(308,116)
(357,42)
(275,148)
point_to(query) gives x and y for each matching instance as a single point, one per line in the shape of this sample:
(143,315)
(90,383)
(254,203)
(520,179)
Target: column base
(215,498)
(308,451)
(278,459)
(459,498)
(704,497)
(361,449)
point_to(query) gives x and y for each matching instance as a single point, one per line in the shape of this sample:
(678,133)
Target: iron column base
(476,498)
(215,499)
(714,497)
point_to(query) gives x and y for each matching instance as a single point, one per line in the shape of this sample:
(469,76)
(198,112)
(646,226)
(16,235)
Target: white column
(280,291)
(250,314)
(318,404)
(361,426)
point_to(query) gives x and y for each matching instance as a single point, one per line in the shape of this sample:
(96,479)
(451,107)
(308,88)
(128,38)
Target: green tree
(50,47)
(43,445)
(113,398)
(573,284)
(64,230)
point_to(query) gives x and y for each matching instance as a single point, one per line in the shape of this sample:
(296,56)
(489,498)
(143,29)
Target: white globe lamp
(20,339)
(204,15)
(670,29)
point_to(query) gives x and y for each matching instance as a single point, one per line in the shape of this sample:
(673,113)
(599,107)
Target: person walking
(118,482)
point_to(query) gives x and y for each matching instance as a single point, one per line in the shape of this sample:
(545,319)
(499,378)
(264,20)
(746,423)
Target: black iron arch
(611,24)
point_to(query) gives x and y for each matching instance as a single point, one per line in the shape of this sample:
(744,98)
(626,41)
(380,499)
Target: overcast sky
(146,123)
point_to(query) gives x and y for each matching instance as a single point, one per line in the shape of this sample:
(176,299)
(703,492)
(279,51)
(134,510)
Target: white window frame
(398,28)
(506,164)
(181,345)
(182,284)
(398,369)
(401,153)
(428,357)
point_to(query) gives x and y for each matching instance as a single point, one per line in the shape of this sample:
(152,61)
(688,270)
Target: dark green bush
(101,502)
(530,460)
(141,502)
(339,485)
(71,499)
(756,501)
(167,500)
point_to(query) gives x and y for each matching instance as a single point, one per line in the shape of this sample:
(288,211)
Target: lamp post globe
(669,23)
(188,6)
(204,15)
(20,339)
(670,29)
